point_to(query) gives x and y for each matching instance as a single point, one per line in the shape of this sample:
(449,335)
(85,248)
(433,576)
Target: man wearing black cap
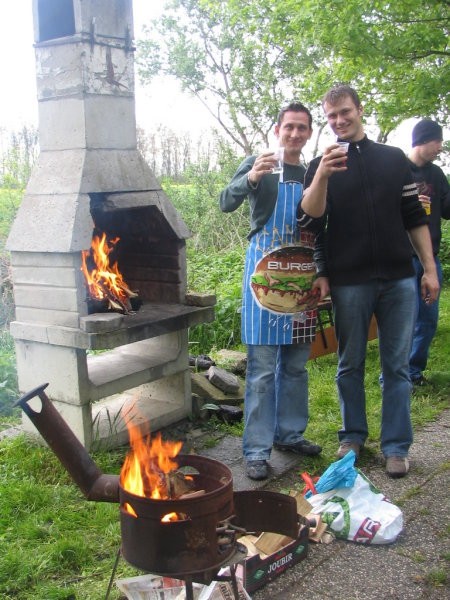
(434,193)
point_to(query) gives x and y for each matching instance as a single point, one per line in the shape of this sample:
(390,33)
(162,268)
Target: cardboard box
(326,343)
(258,569)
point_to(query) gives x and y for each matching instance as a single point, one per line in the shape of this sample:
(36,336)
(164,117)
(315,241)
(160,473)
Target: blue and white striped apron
(278,305)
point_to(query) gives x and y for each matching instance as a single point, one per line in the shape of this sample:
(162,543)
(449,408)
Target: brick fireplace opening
(90,177)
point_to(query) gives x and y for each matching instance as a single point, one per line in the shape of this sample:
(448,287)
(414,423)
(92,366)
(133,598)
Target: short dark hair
(338,92)
(294,107)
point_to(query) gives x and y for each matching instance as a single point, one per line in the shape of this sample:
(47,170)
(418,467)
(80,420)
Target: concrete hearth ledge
(101,322)
(152,320)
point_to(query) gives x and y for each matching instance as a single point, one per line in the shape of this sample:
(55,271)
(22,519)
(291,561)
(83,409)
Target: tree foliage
(18,157)
(220,61)
(395,53)
(243,59)
(195,196)
(171,153)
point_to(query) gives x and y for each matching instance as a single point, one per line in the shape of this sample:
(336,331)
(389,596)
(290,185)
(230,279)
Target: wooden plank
(269,542)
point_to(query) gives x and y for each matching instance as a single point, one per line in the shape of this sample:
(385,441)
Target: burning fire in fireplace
(106,286)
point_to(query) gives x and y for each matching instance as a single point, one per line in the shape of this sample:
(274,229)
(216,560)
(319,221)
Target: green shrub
(220,274)
(444,253)
(8,376)
(9,203)
(216,251)
(197,200)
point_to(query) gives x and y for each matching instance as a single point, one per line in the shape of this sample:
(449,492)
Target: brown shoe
(397,466)
(345,447)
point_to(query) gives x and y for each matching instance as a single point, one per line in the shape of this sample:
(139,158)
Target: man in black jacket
(434,193)
(368,206)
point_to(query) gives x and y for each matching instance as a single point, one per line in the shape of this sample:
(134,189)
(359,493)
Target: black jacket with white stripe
(370,207)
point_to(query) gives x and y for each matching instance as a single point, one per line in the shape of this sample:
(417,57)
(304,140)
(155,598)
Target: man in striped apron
(279,296)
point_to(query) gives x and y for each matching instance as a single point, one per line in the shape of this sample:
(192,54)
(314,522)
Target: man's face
(429,151)
(293,133)
(345,119)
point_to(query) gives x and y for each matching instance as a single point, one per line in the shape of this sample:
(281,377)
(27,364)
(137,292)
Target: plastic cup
(279,157)
(343,146)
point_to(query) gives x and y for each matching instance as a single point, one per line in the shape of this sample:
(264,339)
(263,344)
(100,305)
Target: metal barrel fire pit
(202,539)
(190,544)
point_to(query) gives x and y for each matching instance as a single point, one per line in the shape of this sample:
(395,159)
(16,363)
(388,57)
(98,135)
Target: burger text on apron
(278,302)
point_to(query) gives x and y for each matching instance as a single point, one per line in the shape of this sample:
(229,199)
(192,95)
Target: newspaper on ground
(155,587)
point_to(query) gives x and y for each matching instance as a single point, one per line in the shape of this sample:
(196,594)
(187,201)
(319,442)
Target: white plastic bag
(360,513)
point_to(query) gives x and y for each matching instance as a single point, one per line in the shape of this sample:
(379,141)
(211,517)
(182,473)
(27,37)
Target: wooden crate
(326,343)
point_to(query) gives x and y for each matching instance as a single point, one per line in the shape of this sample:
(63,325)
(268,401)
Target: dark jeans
(426,325)
(393,304)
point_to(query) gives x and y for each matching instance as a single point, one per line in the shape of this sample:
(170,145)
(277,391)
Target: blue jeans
(393,304)
(276,398)
(426,325)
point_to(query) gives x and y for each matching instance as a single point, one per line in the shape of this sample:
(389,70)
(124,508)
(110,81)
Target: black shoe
(257,469)
(302,447)
(420,381)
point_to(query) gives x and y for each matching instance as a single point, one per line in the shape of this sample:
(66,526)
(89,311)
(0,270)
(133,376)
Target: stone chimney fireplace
(90,177)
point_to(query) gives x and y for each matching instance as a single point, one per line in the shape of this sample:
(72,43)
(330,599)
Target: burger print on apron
(278,300)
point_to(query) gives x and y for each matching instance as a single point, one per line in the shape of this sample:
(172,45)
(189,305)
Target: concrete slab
(229,451)
(210,393)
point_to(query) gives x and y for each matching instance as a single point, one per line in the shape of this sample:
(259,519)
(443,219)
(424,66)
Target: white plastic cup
(278,155)
(343,146)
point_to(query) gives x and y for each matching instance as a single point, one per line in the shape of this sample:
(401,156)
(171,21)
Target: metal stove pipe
(94,484)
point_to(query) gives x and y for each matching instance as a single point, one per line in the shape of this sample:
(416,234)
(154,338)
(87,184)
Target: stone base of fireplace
(89,388)
(95,417)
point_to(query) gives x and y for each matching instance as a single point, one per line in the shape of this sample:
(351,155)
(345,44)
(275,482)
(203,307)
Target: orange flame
(170,517)
(129,509)
(146,464)
(104,280)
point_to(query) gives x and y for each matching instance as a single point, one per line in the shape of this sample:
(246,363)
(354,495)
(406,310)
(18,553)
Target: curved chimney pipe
(94,484)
